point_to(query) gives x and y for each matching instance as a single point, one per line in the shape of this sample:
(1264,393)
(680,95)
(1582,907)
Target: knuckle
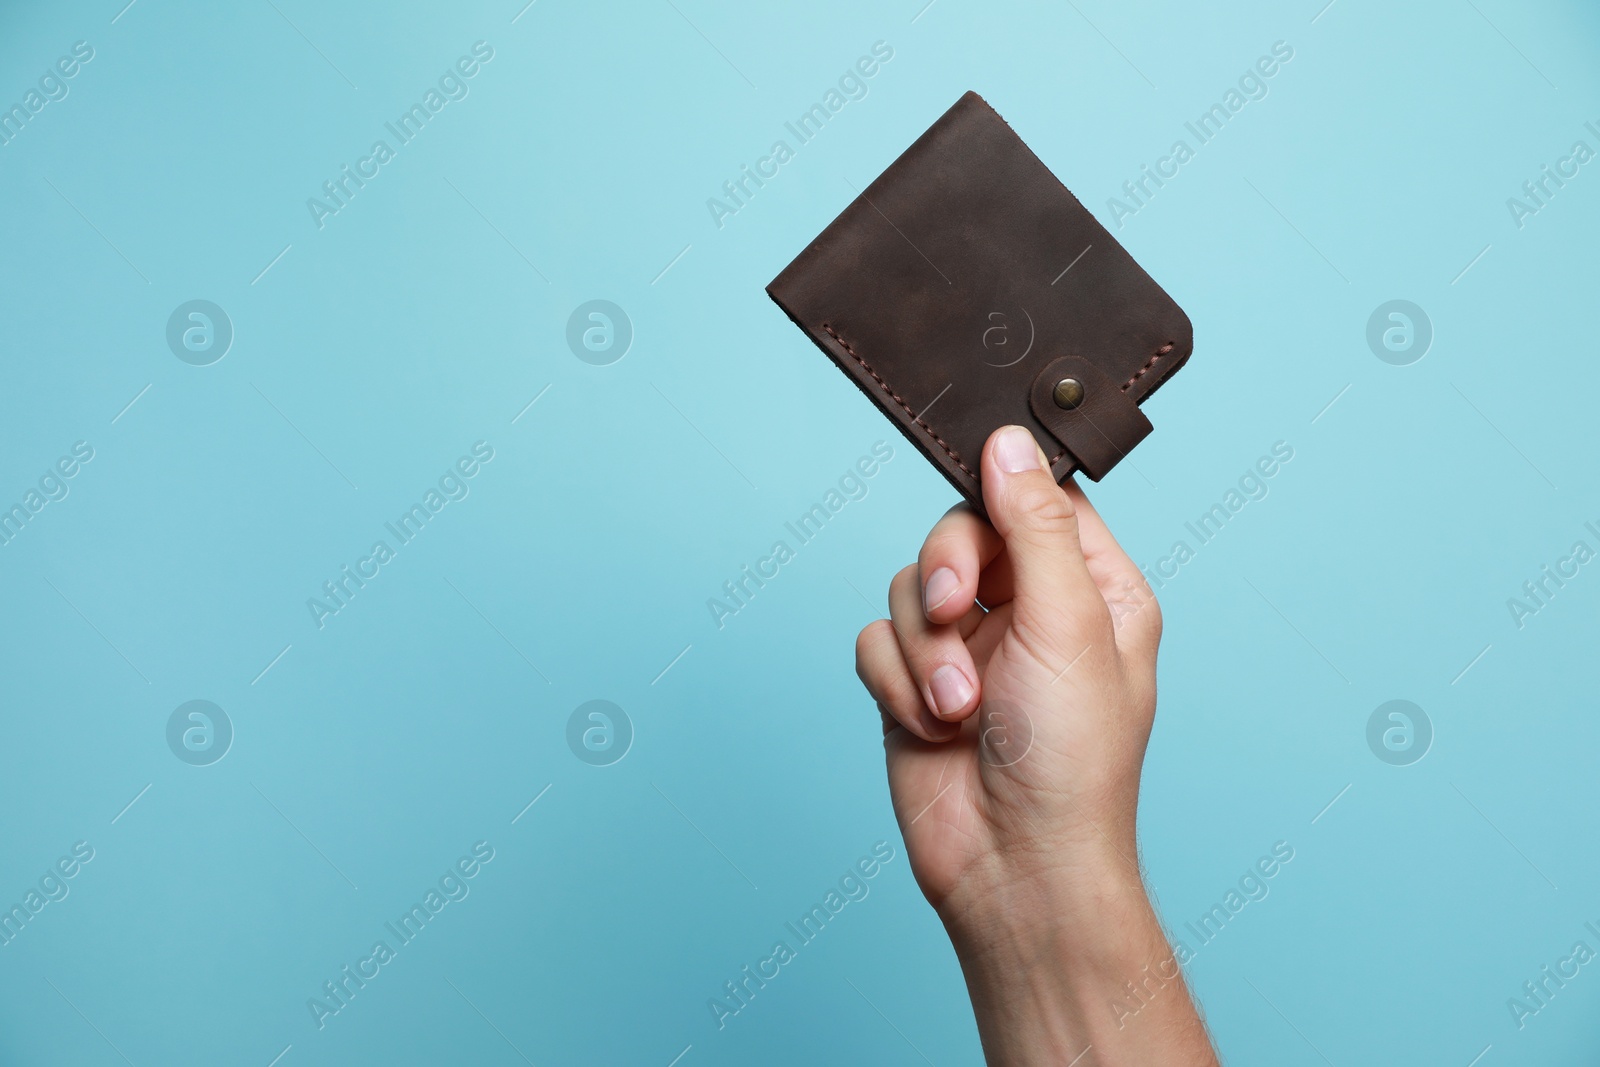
(1137,610)
(1040,505)
(870,638)
(1063,628)
(1152,619)
(949,532)
(1038,643)
(1061,648)
(868,641)
(899,694)
(905,580)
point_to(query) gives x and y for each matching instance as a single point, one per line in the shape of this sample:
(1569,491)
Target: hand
(1017,680)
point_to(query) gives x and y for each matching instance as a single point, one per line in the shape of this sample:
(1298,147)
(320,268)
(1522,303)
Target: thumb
(1055,597)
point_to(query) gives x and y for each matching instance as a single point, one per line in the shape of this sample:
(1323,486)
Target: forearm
(1077,974)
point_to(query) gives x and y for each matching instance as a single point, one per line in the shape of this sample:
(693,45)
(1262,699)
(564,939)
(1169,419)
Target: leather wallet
(967,289)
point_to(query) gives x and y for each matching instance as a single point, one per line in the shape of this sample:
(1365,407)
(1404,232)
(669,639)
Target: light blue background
(375,751)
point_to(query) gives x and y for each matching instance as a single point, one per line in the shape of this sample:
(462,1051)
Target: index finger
(958,548)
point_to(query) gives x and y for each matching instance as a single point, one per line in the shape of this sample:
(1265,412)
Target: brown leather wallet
(967,289)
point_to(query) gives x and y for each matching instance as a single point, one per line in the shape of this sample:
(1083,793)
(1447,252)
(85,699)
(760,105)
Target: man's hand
(1017,681)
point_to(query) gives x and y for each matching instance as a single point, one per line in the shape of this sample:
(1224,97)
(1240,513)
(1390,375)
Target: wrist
(1074,957)
(1080,913)
(1064,891)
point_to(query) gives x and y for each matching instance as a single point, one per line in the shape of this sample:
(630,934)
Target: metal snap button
(1068,393)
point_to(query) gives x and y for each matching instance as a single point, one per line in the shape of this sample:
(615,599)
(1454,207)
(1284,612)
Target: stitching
(1140,373)
(1163,350)
(904,406)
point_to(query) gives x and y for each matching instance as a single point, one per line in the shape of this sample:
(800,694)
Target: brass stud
(1068,393)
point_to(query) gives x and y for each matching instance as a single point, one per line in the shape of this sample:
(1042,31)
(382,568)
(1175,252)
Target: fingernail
(1016,451)
(951,690)
(942,584)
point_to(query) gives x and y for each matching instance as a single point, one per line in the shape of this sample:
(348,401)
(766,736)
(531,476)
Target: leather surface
(948,286)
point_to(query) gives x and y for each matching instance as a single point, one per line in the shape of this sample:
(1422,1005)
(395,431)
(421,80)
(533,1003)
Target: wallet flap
(1093,419)
(946,286)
